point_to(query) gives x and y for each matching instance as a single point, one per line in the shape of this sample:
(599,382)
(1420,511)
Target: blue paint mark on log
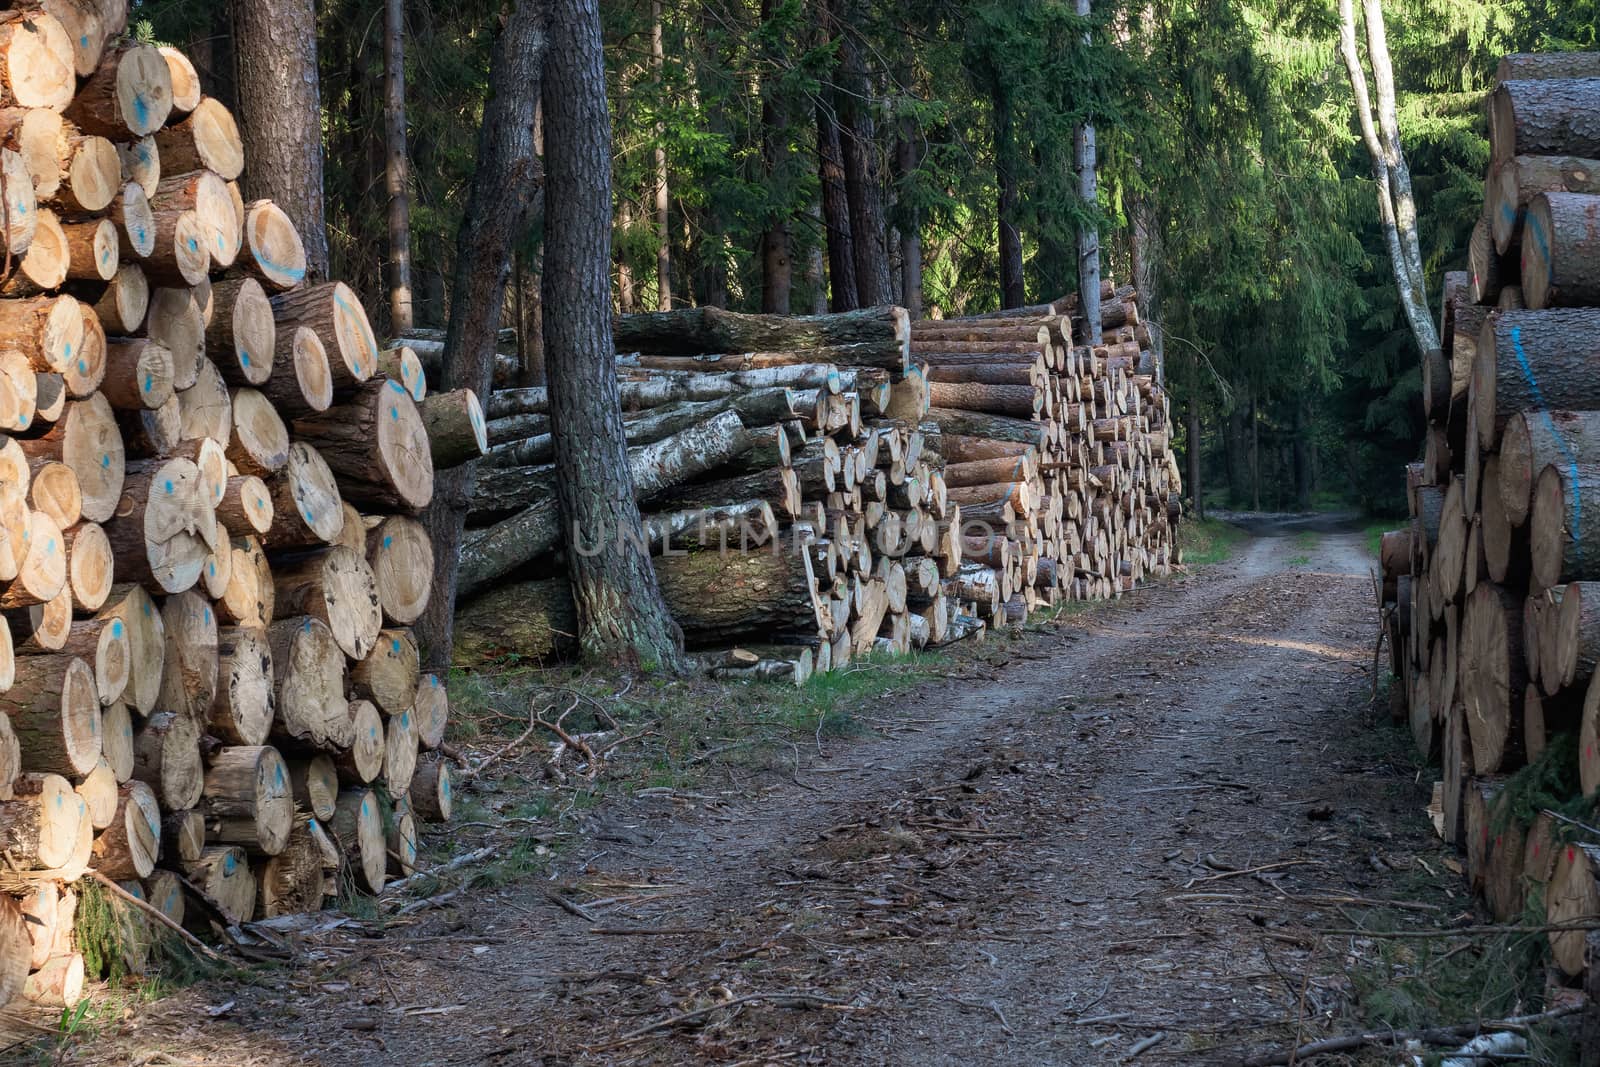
(1549,424)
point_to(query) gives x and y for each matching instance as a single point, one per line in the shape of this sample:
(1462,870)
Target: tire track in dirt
(1009,862)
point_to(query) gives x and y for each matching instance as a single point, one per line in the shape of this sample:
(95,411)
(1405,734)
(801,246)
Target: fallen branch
(1437,1035)
(157,914)
(464,860)
(786,999)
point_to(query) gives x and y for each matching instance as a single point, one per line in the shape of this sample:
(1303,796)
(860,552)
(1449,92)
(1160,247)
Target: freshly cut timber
(292,881)
(1589,741)
(136,611)
(719,596)
(400,743)
(402,840)
(92,249)
(1545,118)
(132,843)
(132,214)
(44,266)
(401,363)
(358,824)
(1533,440)
(21,218)
(223,873)
(116,738)
(16,950)
(389,674)
(400,553)
(205,409)
(186,94)
(91,174)
(19,391)
(180,256)
(163,525)
(206,195)
(246,505)
(302,381)
(309,681)
(166,757)
(1493,677)
(242,334)
(431,708)
(54,710)
(1517,181)
(106,645)
(377,446)
(54,491)
(39,827)
(455,427)
(247,799)
(260,441)
(334,313)
(1564,526)
(316,785)
(99,791)
(1535,359)
(362,762)
(337,587)
(43,571)
(888,353)
(86,439)
(1572,898)
(189,666)
(128,96)
(207,140)
(307,509)
(247,600)
(90,565)
(46,329)
(88,369)
(1561,250)
(273,251)
(39,66)
(693,331)
(175,320)
(35,135)
(430,790)
(123,304)
(1572,650)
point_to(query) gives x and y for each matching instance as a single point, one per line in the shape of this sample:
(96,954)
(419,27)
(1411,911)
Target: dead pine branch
(1437,1035)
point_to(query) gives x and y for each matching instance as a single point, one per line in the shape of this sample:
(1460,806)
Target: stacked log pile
(208,555)
(818,488)
(1490,595)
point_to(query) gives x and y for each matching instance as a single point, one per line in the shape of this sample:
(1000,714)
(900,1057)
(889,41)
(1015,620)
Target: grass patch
(1299,561)
(1206,541)
(1372,533)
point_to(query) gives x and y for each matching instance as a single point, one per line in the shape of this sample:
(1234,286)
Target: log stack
(1490,596)
(816,488)
(209,558)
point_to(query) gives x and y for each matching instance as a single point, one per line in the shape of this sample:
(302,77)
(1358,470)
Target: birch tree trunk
(397,168)
(279,114)
(621,615)
(1399,232)
(1089,232)
(503,189)
(658,58)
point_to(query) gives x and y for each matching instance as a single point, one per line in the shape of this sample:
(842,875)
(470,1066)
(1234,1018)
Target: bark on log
(247,800)
(717,597)
(1564,525)
(128,96)
(888,353)
(163,525)
(307,509)
(131,845)
(1535,359)
(388,676)
(1493,677)
(655,468)
(1545,118)
(39,829)
(377,446)
(358,825)
(139,375)
(223,874)
(273,252)
(335,586)
(1514,183)
(207,140)
(54,710)
(309,682)
(1560,248)
(302,378)
(994,427)
(242,336)
(167,759)
(334,313)
(455,426)
(241,711)
(362,762)
(1529,66)
(693,331)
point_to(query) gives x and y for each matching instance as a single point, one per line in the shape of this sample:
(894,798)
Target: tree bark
(777,264)
(622,617)
(706,330)
(1011,289)
(835,203)
(869,232)
(280,118)
(1088,231)
(663,216)
(397,167)
(504,186)
(1545,118)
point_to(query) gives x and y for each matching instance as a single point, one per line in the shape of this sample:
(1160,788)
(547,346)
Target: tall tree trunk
(1255,451)
(1233,442)
(621,616)
(627,287)
(777,266)
(1143,235)
(658,58)
(835,208)
(816,273)
(869,230)
(1302,457)
(1196,490)
(279,114)
(905,156)
(397,169)
(1088,233)
(1011,287)
(504,185)
(1399,237)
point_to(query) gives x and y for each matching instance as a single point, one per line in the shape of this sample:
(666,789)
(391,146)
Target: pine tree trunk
(503,188)
(397,168)
(280,116)
(1011,289)
(869,231)
(620,610)
(777,265)
(835,205)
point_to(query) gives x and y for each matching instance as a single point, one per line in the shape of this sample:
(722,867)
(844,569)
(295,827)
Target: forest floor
(1142,820)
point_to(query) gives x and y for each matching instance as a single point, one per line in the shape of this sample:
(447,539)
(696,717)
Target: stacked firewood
(208,560)
(818,488)
(1492,596)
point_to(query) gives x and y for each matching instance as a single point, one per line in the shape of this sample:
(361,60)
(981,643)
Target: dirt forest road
(1120,828)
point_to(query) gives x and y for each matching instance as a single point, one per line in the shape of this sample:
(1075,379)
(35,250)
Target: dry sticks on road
(817,488)
(208,560)
(1490,596)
